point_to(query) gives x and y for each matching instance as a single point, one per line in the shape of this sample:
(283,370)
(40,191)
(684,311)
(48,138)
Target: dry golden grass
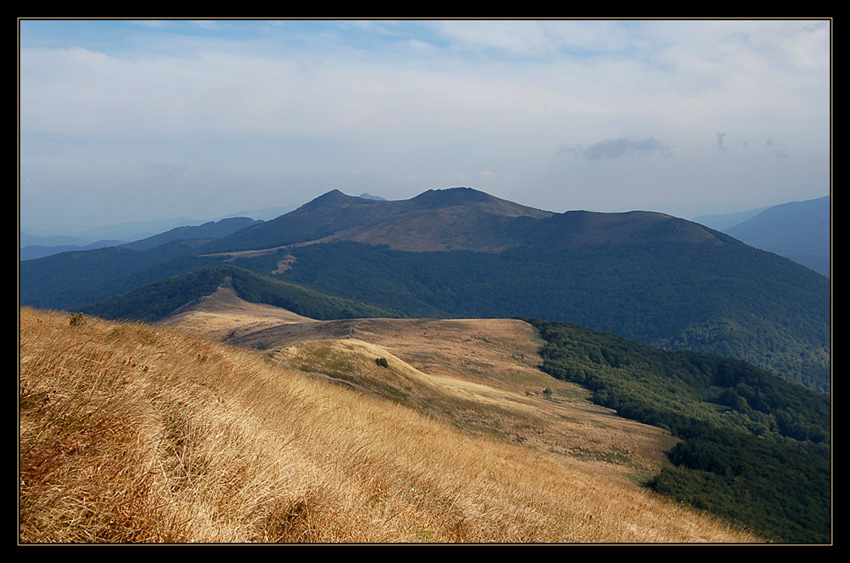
(563,424)
(224,315)
(477,374)
(134,433)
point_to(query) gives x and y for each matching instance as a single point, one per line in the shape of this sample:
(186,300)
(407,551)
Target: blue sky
(140,120)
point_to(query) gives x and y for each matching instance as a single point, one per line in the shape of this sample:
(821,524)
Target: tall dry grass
(131,433)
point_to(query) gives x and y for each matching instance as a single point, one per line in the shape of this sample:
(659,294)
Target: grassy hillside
(135,433)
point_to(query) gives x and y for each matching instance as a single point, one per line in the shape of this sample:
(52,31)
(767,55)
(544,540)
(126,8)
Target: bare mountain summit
(458,219)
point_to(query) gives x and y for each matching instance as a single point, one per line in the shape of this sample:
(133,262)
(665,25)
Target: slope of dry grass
(224,315)
(134,433)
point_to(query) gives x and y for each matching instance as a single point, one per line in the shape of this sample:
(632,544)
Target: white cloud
(407,105)
(622,146)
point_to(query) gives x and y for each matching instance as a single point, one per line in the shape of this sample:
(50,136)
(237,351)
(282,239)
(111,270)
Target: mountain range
(36,247)
(800,231)
(459,252)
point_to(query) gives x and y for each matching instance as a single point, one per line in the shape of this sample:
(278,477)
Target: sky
(141,120)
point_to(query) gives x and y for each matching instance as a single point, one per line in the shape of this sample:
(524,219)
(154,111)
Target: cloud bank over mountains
(134,120)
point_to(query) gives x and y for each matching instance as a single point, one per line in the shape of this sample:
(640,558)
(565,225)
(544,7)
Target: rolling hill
(150,434)
(206,231)
(212,229)
(160,299)
(738,428)
(459,252)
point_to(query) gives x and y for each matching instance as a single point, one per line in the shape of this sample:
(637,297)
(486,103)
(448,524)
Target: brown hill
(224,315)
(477,374)
(450,219)
(134,433)
(458,219)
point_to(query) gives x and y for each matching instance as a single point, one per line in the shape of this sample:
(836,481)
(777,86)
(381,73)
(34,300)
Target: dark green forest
(71,280)
(754,449)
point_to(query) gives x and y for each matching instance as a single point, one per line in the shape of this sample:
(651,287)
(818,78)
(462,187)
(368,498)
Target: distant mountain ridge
(441,217)
(457,219)
(33,251)
(800,231)
(208,230)
(651,277)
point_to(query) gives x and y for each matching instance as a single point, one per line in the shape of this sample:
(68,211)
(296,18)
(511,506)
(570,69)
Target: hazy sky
(141,120)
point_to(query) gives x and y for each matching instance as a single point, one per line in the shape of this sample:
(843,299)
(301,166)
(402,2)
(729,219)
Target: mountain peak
(333,197)
(451,196)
